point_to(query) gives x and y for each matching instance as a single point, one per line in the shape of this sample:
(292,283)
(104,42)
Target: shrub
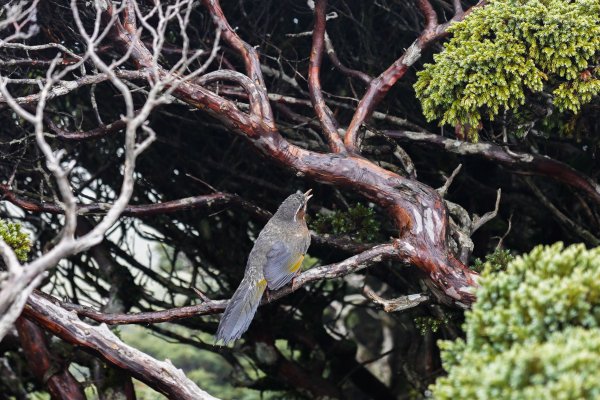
(511,48)
(531,331)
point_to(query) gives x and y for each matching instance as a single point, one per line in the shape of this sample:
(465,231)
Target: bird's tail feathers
(240,310)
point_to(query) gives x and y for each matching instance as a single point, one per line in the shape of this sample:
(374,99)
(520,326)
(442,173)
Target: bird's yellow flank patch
(296,266)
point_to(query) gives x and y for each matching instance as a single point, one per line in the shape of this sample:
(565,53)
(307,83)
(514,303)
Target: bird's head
(294,207)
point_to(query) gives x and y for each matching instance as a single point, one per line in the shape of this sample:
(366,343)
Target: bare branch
(444,189)
(478,222)
(353,264)
(159,375)
(397,304)
(328,122)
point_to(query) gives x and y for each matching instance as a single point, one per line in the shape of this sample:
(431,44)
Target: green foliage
(532,332)
(566,366)
(430,324)
(507,49)
(359,222)
(494,262)
(18,240)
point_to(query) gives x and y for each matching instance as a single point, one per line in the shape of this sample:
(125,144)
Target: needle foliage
(509,50)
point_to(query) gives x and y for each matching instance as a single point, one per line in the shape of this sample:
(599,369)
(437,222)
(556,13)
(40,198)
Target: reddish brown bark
(324,114)
(59,381)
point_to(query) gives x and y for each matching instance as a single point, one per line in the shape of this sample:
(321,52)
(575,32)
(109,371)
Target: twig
(397,304)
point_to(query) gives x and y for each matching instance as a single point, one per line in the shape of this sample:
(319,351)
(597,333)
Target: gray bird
(274,261)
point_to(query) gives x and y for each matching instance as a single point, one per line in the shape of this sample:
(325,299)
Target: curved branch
(159,375)
(338,64)
(380,86)
(328,122)
(250,56)
(98,132)
(249,86)
(523,163)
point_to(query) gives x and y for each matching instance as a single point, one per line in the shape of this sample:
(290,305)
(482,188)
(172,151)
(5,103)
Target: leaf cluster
(18,240)
(495,261)
(511,48)
(359,222)
(533,331)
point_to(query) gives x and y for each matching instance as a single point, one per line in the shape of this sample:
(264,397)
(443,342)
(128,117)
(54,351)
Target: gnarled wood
(159,375)
(57,378)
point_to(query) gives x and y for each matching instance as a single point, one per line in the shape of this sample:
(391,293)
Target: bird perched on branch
(274,261)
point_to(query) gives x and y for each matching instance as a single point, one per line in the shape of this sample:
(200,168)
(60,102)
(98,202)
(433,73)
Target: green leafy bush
(531,331)
(18,240)
(508,49)
(566,366)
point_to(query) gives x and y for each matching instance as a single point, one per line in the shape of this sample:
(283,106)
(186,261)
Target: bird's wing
(281,266)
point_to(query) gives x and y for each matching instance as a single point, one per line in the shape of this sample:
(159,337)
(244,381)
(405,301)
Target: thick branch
(416,208)
(159,375)
(61,384)
(328,123)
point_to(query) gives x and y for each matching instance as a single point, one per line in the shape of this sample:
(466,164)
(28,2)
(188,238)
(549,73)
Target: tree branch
(324,114)
(416,208)
(396,250)
(379,86)
(524,163)
(61,384)
(249,55)
(162,376)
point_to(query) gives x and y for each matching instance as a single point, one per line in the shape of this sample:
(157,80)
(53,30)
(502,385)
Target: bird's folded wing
(281,266)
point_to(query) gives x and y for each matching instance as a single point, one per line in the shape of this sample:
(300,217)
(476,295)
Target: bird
(275,259)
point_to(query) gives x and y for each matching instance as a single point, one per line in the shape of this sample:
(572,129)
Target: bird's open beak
(308,195)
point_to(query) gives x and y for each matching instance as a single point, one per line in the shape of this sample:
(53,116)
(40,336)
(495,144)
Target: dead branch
(397,304)
(478,222)
(159,375)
